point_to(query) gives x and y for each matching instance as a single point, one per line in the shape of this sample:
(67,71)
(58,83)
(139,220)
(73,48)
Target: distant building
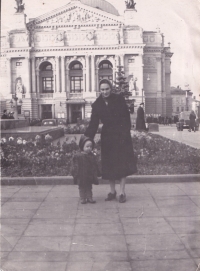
(181,100)
(54,62)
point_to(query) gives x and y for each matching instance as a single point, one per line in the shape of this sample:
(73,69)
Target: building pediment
(74,14)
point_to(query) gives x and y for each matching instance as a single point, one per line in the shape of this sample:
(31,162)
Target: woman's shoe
(83,201)
(111,196)
(91,201)
(122,198)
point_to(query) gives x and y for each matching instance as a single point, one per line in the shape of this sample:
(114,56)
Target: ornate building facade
(54,62)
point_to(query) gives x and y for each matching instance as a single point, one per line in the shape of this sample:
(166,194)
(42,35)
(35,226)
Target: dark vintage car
(49,122)
(184,121)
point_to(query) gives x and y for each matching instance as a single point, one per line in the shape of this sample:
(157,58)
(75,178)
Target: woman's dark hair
(105,81)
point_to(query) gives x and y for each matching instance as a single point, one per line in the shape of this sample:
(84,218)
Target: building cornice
(86,48)
(75,48)
(17,50)
(153,49)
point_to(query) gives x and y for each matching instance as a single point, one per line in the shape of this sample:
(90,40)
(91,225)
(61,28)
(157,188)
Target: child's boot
(83,201)
(90,200)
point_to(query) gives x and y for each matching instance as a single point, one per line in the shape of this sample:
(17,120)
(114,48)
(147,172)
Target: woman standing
(192,124)
(116,146)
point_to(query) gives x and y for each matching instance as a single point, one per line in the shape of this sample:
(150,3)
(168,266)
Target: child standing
(85,169)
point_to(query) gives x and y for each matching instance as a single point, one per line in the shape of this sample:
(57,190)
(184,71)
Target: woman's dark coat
(116,146)
(140,122)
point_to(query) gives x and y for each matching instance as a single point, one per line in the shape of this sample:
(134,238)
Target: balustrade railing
(46,95)
(78,95)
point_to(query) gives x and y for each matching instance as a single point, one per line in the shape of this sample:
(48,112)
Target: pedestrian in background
(192,124)
(5,115)
(85,169)
(117,156)
(11,115)
(140,121)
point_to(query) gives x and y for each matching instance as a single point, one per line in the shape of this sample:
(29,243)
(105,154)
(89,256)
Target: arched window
(76,77)
(46,78)
(106,70)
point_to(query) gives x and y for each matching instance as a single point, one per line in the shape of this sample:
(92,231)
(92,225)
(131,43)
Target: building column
(57,74)
(53,111)
(68,83)
(115,67)
(159,73)
(121,62)
(63,72)
(140,74)
(54,80)
(38,81)
(33,75)
(39,111)
(9,75)
(159,101)
(97,79)
(28,79)
(87,74)
(93,73)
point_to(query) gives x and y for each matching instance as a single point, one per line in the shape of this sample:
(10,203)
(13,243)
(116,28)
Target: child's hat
(83,140)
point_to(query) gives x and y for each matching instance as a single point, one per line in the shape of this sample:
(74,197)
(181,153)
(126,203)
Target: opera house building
(53,63)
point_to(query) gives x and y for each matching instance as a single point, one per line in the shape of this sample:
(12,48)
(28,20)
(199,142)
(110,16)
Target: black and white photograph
(100,137)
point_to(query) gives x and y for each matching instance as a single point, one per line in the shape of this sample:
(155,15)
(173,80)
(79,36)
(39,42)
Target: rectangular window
(109,77)
(177,109)
(76,84)
(47,84)
(182,108)
(18,63)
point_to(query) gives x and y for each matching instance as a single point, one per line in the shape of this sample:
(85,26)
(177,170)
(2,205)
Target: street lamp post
(187,101)
(15,98)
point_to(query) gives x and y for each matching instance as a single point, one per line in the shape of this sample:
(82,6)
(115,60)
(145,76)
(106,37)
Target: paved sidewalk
(45,228)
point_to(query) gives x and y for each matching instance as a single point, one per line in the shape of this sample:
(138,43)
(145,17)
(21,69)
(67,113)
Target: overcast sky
(178,20)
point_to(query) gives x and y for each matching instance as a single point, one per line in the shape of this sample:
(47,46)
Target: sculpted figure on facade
(130,4)
(132,84)
(19,88)
(20,6)
(79,16)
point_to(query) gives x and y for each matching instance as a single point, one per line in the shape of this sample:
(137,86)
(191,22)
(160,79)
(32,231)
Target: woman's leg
(122,195)
(112,186)
(113,193)
(122,185)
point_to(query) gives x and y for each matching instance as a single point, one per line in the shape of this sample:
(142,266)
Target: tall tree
(121,86)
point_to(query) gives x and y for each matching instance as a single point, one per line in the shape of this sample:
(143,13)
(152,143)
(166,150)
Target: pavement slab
(33,266)
(40,243)
(46,228)
(164,265)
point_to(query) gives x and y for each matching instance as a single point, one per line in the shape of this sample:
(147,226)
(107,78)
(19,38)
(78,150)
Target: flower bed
(78,128)
(156,156)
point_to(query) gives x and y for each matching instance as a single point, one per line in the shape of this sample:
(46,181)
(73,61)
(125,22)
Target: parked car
(184,121)
(49,122)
